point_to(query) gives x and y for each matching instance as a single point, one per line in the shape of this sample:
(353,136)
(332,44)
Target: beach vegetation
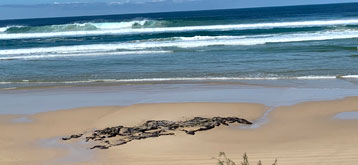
(224,160)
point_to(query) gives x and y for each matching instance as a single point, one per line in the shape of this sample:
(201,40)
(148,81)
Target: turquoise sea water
(301,42)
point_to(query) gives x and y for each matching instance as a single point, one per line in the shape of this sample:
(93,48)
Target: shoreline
(50,99)
(349,81)
(293,134)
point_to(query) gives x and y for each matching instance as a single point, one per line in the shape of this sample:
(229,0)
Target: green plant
(275,163)
(224,160)
(246,160)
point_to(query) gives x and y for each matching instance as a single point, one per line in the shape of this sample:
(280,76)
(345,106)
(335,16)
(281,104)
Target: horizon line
(178,11)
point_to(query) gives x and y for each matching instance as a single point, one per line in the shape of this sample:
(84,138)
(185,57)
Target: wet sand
(286,92)
(305,133)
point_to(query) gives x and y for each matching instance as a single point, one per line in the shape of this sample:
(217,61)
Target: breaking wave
(89,26)
(183,42)
(147,26)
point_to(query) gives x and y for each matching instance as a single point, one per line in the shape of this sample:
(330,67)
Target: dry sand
(305,133)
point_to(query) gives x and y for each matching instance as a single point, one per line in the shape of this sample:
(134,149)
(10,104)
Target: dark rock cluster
(72,137)
(120,135)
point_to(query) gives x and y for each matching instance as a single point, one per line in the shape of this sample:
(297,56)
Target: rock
(120,143)
(72,137)
(155,128)
(99,147)
(89,138)
(190,132)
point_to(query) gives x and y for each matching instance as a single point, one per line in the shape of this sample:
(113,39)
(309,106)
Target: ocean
(312,42)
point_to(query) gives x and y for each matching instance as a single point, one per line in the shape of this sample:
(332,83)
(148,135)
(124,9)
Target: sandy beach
(305,133)
(178,82)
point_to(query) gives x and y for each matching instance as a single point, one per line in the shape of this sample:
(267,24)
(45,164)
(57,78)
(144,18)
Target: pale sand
(305,133)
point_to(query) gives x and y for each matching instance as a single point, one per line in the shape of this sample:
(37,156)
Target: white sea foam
(121,28)
(3,29)
(349,76)
(222,78)
(118,25)
(73,28)
(151,80)
(28,57)
(184,79)
(196,79)
(195,38)
(186,43)
(315,77)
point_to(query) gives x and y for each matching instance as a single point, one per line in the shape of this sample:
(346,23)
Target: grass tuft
(224,160)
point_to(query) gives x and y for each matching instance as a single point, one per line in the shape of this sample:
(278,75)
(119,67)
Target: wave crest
(150,26)
(89,26)
(187,42)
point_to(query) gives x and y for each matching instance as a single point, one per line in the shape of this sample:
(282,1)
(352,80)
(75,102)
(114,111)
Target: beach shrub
(224,160)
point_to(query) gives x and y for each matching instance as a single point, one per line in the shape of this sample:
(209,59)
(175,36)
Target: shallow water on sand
(347,115)
(29,101)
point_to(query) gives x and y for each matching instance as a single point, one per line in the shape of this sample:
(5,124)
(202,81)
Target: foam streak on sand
(176,79)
